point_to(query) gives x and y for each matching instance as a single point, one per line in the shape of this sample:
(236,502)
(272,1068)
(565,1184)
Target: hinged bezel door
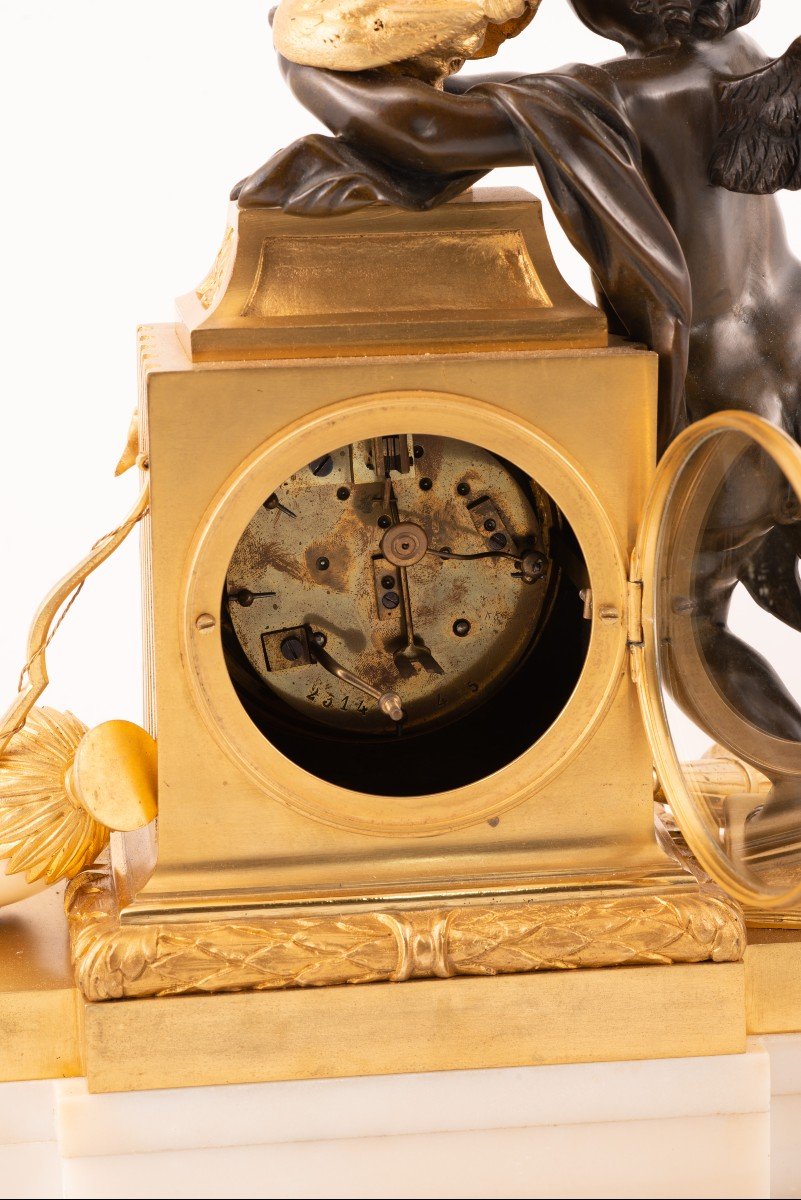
(687,478)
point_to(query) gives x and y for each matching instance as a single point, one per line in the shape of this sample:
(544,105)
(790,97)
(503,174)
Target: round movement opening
(406,615)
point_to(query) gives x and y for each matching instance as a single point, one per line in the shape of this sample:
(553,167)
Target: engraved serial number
(348,703)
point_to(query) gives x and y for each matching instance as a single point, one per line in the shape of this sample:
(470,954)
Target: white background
(124,127)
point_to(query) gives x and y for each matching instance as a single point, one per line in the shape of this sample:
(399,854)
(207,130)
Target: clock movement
(424,563)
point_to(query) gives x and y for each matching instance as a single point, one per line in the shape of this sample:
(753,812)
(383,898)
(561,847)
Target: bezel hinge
(634,630)
(634,595)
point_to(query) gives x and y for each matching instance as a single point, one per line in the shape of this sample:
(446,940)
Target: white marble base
(676,1128)
(30,1159)
(330,1110)
(719,1156)
(587,1130)
(785,1060)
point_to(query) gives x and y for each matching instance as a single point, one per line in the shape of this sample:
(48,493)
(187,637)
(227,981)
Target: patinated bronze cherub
(719,127)
(674,112)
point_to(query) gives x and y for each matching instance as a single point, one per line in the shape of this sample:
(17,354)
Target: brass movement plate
(314,556)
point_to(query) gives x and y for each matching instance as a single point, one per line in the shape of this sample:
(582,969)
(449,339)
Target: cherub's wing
(759,148)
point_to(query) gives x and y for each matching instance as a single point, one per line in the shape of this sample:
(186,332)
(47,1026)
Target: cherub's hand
(315,176)
(318,176)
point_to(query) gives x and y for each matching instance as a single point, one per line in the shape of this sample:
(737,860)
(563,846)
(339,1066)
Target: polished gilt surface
(52,611)
(38,999)
(113,961)
(437,1025)
(218,417)
(208,290)
(773,981)
(463,810)
(733,789)
(50,1031)
(113,776)
(45,832)
(431,36)
(434,1025)
(477,273)
(63,788)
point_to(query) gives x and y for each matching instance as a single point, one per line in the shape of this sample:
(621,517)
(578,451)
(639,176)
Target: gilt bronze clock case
(343,799)
(252,829)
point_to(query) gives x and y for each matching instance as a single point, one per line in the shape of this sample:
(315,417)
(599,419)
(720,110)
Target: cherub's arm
(402,141)
(459,84)
(407,122)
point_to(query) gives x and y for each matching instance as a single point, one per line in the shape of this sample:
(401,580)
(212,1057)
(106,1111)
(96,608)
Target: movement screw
(321,467)
(292,649)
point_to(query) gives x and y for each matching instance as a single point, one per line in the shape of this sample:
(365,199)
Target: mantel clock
(414,596)
(422,614)
(414,603)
